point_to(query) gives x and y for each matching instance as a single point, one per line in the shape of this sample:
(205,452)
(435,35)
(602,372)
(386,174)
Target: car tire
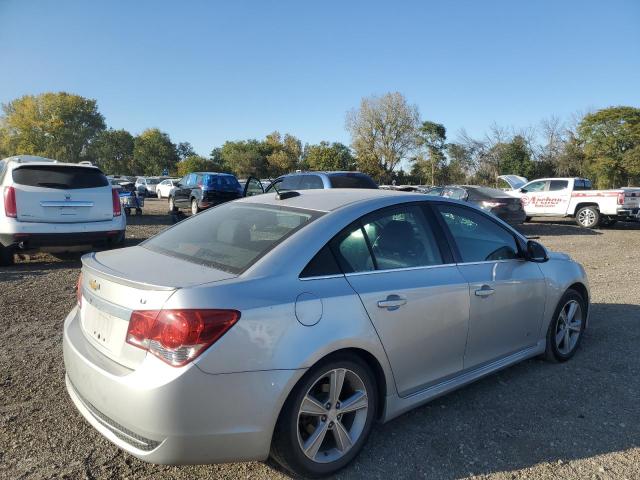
(7,257)
(194,206)
(118,242)
(172,205)
(159,194)
(127,211)
(527,219)
(566,328)
(295,429)
(588,217)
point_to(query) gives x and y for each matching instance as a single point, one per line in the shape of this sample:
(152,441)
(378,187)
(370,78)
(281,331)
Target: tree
(326,156)
(247,157)
(383,132)
(153,152)
(194,163)
(56,125)
(513,157)
(285,153)
(432,136)
(217,161)
(184,150)
(112,151)
(608,136)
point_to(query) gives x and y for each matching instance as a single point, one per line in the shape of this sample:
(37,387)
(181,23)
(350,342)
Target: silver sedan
(285,324)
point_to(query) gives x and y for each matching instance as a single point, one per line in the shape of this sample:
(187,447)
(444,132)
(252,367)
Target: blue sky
(206,72)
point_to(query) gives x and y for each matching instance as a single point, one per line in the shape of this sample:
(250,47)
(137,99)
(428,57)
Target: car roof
(326,200)
(42,161)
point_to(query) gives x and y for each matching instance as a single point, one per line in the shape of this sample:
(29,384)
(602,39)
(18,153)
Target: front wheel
(565,330)
(588,217)
(327,418)
(172,205)
(194,206)
(159,194)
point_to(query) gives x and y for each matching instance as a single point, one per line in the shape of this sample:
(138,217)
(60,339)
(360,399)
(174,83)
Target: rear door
(62,194)
(506,292)
(416,298)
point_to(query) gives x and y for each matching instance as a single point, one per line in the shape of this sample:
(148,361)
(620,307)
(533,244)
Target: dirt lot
(535,420)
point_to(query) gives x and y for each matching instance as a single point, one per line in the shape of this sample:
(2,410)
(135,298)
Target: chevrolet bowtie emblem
(94,285)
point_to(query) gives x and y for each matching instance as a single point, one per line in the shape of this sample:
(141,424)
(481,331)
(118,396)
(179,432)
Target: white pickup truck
(573,197)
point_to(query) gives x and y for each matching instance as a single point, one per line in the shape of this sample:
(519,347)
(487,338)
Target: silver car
(290,323)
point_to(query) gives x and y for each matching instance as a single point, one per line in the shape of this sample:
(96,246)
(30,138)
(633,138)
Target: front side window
(535,186)
(478,238)
(231,237)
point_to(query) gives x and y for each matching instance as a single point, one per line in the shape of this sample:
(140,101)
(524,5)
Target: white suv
(57,207)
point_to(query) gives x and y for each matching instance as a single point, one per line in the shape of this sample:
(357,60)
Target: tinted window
(582,185)
(401,238)
(351,250)
(309,182)
(191,180)
(290,182)
(555,185)
(222,182)
(230,237)
(455,193)
(478,238)
(61,177)
(324,263)
(351,180)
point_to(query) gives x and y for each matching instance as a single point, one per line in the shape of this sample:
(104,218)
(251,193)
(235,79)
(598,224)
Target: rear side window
(351,180)
(310,182)
(60,177)
(231,237)
(222,182)
(582,185)
(290,183)
(555,185)
(351,250)
(478,238)
(324,263)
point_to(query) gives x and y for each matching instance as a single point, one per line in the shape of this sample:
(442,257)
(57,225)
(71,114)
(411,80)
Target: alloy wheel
(332,415)
(587,217)
(568,327)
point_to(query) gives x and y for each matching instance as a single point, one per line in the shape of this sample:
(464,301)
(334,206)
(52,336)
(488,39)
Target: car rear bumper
(36,234)
(168,415)
(633,213)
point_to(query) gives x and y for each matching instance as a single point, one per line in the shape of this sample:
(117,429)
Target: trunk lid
(116,283)
(58,193)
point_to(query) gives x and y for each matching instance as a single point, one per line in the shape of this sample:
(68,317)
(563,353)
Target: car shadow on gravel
(532,413)
(39,264)
(554,228)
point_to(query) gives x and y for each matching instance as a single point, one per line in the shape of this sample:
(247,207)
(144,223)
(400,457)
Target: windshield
(231,237)
(152,181)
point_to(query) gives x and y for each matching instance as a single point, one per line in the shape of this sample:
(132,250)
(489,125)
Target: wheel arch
(585,204)
(584,292)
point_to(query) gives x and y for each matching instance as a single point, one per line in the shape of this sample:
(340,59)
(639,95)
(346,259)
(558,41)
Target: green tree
(513,157)
(56,125)
(194,163)
(285,153)
(383,132)
(184,150)
(432,137)
(609,137)
(112,151)
(247,157)
(218,163)
(328,156)
(153,152)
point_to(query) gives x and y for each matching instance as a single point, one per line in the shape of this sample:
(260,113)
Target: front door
(506,292)
(252,187)
(415,297)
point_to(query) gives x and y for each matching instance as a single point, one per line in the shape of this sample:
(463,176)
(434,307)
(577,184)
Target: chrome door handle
(485,291)
(392,302)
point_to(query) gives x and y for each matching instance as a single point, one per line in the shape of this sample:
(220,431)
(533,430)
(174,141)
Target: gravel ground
(577,420)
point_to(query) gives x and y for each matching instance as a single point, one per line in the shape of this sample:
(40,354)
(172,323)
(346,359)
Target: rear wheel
(588,217)
(565,330)
(327,418)
(172,206)
(6,256)
(159,194)
(194,206)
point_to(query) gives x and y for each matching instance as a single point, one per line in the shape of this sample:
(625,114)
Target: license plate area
(104,330)
(99,326)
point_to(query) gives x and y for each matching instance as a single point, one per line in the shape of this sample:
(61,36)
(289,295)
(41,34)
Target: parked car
(574,197)
(163,189)
(497,202)
(199,190)
(56,207)
(321,180)
(290,323)
(146,186)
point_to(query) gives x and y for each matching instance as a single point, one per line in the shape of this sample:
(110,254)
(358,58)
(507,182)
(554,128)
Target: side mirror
(536,252)
(523,190)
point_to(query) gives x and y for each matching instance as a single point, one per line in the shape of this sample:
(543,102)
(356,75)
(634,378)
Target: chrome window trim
(405,269)
(322,277)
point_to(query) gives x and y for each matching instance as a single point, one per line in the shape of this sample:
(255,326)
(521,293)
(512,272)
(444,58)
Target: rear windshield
(231,237)
(351,180)
(58,176)
(222,182)
(490,192)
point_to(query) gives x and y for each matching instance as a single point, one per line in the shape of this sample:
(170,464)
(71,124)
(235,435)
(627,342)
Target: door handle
(485,291)
(392,302)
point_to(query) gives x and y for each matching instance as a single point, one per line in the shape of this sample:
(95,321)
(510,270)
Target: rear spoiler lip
(90,262)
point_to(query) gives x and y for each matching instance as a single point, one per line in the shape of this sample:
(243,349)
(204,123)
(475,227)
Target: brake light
(10,208)
(117,210)
(79,290)
(621,198)
(491,204)
(178,336)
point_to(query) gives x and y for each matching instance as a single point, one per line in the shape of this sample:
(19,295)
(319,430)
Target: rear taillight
(486,204)
(10,208)
(178,336)
(79,290)
(117,211)
(621,198)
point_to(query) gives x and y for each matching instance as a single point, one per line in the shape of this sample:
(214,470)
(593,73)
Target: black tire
(7,257)
(118,242)
(552,352)
(172,205)
(194,207)
(588,217)
(285,448)
(527,219)
(127,211)
(138,211)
